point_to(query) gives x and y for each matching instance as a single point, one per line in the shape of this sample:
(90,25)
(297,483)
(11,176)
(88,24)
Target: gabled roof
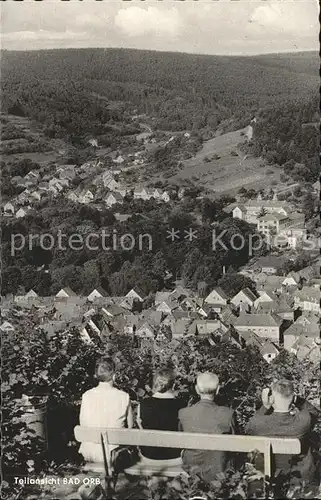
(249,294)
(299,329)
(269,348)
(100,290)
(267,203)
(68,291)
(271,261)
(116,195)
(308,293)
(273,216)
(219,291)
(258,320)
(251,338)
(161,297)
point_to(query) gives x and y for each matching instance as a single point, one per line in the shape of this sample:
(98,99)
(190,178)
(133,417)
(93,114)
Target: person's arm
(303,404)
(84,415)
(138,419)
(130,417)
(234,425)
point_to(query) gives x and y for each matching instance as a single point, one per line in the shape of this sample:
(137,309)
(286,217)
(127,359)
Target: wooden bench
(182,440)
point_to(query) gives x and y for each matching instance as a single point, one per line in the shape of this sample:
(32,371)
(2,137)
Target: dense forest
(144,267)
(289,136)
(71,91)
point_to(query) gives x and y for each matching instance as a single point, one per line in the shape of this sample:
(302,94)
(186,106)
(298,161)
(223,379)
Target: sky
(204,26)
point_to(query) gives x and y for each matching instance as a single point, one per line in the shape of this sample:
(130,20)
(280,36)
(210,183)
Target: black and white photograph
(160,249)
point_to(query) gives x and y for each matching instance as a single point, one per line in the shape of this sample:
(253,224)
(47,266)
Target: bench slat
(186,440)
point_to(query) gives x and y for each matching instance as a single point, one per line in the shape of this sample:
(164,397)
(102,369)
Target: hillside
(182,91)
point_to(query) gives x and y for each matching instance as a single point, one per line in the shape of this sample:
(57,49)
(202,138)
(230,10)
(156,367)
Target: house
(97,293)
(145,330)
(248,337)
(205,327)
(167,306)
(141,193)
(161,297)
(85,335)
(302,327)
(121,190)
(269,351)
(23,212)
(72,196)
(291,280)
(217,299)
(128,303)
(165,197)
(307,299)
(90,323)
(269,283)
(31,294)
(113,198)
(263,297)
(7,327)
(270,264)
(264,325)
(307,348)
(279,306)
(36,195)
(8,209)
(64,293)
(132,293)
(109,182)
(56,185)
(251,210)
(122,217)
(86,197)
(271,223)
(244,299)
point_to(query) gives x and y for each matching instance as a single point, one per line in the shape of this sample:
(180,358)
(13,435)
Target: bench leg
(267,469)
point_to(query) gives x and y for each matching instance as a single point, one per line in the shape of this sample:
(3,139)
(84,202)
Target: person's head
(282,394)
(163,380)
(105,369)
(207,385)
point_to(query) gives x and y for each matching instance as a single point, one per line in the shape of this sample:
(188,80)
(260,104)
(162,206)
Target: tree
(308,206)
(233,283)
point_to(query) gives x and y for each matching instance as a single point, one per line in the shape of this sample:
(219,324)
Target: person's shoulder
(226,411)
(186,410)
(120,393)
(89,393)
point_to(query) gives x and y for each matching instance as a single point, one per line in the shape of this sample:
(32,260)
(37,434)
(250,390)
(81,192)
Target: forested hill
(182,91)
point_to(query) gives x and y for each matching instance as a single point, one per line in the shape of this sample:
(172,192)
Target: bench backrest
(187,440)
(192,441)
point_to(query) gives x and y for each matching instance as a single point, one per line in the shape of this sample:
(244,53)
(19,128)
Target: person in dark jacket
(160,412)
(282,416)
(206,417)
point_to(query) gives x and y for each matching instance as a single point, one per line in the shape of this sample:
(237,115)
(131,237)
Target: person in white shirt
(104,406)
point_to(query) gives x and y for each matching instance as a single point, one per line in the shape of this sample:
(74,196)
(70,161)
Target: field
(231,170)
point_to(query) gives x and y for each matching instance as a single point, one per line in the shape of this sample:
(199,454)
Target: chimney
(224,270)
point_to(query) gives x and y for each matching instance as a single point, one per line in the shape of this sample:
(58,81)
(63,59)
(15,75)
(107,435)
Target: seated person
(104,406)
(279,417)
(160,412)
(206,417)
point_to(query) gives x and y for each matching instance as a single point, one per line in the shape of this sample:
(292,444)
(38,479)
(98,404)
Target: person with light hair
(280,416)
(206,417)
(160,412)
(104,406)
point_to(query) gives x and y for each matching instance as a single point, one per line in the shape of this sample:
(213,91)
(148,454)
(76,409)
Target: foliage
(61,367)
